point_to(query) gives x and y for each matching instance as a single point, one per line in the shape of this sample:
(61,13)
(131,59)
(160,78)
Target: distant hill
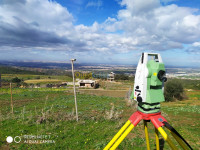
(56,65)
(43,65)
(12,70)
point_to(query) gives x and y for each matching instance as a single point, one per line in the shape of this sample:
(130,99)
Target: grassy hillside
(36,79)
(12,70)
(51,112)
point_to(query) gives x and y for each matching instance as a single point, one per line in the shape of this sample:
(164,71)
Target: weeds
(112,114)
(52,112)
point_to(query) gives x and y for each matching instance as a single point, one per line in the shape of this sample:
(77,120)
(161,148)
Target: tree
(173,90)
(121,77)
(16,80)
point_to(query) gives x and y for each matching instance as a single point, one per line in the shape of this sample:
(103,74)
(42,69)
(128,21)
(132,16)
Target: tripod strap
(168,126)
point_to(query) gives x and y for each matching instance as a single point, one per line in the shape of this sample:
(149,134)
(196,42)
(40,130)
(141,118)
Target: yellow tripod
(158,121)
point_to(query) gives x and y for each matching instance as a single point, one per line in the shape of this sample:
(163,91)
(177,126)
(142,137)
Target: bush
(121,77)
(173,90)
(38,77)
(24,84)
(16,80)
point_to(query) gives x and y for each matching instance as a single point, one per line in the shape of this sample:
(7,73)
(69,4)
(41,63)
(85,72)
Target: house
(111,76)
(87,83)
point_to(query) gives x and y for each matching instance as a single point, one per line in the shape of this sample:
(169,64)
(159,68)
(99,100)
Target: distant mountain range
(53,65)
(44,65)
(56,65)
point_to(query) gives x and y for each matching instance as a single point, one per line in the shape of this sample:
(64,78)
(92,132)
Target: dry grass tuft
(112,114)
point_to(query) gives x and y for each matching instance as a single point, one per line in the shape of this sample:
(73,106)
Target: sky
(100,31)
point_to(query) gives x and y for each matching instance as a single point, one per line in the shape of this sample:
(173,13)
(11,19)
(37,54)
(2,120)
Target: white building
(87,83)
(111,76)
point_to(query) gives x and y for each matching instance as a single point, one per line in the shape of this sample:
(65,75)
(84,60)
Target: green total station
(149,83)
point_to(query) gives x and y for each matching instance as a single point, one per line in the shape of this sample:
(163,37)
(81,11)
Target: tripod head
(149,79)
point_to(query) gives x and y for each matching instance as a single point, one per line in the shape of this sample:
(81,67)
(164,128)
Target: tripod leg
(166,138)
(146,134)
(124,131)
(117,135)
(122,137)
(183,145)
(157,140)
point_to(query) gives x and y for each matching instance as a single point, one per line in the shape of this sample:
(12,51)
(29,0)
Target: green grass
(117,85)
(51,112)
(30,106)
(30,77)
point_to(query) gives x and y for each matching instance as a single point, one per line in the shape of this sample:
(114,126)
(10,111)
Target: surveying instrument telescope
(148,92)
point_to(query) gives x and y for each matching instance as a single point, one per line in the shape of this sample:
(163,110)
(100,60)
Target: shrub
(16,80)
(121,77)
(173,90)
(38,77)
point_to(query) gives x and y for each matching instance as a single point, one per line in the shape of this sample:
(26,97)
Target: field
(50,112)
(29,78)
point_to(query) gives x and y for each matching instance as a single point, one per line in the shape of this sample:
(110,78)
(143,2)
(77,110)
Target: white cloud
(196,44)
(47,15)
(155,26)
(167,1)
(141,25)
(97,4)
(140,6)
(194,48)
(34,22)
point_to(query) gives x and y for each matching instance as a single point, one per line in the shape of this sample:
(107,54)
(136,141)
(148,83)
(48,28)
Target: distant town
(171,72)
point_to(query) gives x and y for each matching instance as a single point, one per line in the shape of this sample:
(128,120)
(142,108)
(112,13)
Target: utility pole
(0,80)
(72,61)
(11,97)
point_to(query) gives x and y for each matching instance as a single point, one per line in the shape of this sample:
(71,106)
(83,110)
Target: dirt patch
(42,81)
(5,147)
